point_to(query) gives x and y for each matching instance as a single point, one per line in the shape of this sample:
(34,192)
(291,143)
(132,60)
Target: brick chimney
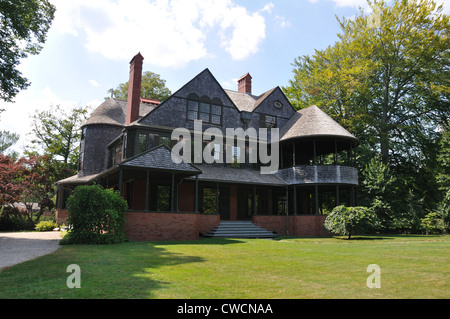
(134,88)
(245,84)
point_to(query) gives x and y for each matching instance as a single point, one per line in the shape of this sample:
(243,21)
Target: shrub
(96,216)
(12,220)
(351,220)
(46,225)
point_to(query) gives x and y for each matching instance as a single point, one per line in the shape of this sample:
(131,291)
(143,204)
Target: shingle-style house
(126,145)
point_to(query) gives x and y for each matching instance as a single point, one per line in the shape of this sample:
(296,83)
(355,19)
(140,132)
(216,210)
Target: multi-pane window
(192,110)
(207,112)
(142,143)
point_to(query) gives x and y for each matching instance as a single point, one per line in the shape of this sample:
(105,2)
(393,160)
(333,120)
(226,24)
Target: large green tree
(23,28)
(152,87)
(57,132)
(386,80)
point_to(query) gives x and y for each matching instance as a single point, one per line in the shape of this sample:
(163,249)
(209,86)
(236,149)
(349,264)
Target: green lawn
(411,267)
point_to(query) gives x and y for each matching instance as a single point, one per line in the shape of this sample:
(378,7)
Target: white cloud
(231,85)
(167,33)
(282,22)
(17,116)
(94,83)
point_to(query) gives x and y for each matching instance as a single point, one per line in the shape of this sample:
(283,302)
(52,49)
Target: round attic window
(278,104)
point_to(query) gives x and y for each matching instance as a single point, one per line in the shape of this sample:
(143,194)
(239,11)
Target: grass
(288,268)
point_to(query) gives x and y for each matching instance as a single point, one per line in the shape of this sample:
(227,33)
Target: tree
(12,184)
(7,139)
(351,220)
(444,159)
(39,181)
(152,87)
(24,25)
(378,190)
(59,133)
(388,84)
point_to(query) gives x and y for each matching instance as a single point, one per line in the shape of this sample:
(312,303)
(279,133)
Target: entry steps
(239,229)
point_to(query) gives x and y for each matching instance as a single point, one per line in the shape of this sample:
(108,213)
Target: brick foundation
(144,226)
(300,225)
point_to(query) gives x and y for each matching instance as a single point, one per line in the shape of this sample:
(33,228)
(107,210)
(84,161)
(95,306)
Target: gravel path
(16,248)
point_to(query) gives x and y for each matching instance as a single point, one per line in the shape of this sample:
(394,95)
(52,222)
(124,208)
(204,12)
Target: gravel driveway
(16,248)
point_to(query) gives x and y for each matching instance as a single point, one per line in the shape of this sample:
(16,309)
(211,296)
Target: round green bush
(96,216)
(351,220)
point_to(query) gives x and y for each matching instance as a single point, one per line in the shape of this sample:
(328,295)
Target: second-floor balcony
(319,174)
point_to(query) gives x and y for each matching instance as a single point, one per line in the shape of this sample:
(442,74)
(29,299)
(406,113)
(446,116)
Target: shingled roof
(313,122)
(113,112)
(245,101)
(237,175)
(159,158)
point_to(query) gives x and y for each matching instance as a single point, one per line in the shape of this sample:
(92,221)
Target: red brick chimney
(245,84)
(134,88)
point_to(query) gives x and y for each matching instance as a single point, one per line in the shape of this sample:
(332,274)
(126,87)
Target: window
(142,143)
(216,114)
(205,111)
(216,151)
(83,133)
(236,153)
(165,140)
(81,161)
(192,110)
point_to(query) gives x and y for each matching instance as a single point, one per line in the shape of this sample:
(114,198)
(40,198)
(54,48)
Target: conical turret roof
(312,122)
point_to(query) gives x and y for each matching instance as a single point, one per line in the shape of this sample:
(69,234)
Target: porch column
(295,200)
(335,153)
(121,182)
(196,194)
(287,211)
(316,199)
(172,191)
(293,153)
(217,197)
(254,200)
(147,182)
(315,155)
(337,195)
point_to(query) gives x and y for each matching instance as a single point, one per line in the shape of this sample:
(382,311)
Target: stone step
(239,229)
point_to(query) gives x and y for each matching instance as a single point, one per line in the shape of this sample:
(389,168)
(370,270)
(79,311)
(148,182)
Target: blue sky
(90,44)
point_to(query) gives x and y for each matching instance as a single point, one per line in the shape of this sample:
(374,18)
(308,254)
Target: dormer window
(209,111)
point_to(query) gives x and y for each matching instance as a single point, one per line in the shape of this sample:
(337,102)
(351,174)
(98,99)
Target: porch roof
(236,175)
(160,158)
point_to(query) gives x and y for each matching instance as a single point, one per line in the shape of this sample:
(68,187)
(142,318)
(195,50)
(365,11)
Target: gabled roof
(313,122)
(204,77)
(113,111)
(159,158)
(248,102)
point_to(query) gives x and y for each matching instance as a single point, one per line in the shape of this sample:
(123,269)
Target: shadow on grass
(117,271)
(202,241)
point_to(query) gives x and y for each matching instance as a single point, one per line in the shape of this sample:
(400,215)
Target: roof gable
(203,84)
(250,103)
